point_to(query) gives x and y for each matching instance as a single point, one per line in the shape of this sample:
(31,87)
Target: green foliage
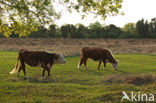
(128,35)
(112,31)
(94,26)
(52,31)
(41,32)
(25,16)
(146,29)
(82,31)
(22,29)
(152,26)
(142,28)
(65,30)
(130,27)
(97,7)
(70,85)
(72,31)
(5,30)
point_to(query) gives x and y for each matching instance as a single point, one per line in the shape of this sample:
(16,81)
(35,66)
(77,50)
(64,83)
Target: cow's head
(115,65)
(59,58)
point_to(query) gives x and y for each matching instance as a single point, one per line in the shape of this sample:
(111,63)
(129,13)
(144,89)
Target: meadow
(67,84)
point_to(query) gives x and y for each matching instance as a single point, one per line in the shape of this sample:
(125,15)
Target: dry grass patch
(135,79)
(73,46)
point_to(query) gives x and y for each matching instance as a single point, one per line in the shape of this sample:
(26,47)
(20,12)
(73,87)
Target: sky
(134,10)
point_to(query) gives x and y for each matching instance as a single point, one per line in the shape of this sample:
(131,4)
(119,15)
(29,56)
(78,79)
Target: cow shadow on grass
(41,80)
(34,79)
(57,80)
(102,72)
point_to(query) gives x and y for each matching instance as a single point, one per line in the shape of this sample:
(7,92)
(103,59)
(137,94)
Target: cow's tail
(16,67)
(81,57)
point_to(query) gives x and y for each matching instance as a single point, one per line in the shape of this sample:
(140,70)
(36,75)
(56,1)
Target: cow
(41,59)
(97,54)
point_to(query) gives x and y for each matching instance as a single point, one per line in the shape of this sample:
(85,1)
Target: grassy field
(67,84)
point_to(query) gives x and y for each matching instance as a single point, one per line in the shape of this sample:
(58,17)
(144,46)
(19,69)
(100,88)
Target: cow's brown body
(41,59)
(37,58)
(96,54)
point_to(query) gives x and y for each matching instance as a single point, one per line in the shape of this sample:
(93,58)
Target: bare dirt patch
(73,46)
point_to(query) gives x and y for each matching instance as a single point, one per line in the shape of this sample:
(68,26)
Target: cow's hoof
(48,77)
(25,78)
(44,77)
(17,74)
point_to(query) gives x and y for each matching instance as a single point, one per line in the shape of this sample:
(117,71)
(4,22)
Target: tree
(41,32)
(65,31)
(72,31)
(130,27)
(112,31)
(152,26)
(4,29)
(94,26)
(69,31)
(96,29)
(146,29)
(82,31)
(52,31)
(97,7)
(142,28)
(25,16)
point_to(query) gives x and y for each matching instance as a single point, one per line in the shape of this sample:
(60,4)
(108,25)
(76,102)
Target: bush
(38,35)
(128,35)
(112,35)
(1,36)
(152,35)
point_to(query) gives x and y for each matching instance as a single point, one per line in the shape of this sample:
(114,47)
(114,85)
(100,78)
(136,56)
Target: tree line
(140,29)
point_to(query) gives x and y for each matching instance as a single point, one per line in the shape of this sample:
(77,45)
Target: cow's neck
(112,60)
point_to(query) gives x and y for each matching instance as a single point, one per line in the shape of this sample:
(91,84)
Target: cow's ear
(56,56)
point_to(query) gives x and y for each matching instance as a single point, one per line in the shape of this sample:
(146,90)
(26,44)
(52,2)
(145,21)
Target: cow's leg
(23,68)
(48,70)
(99,65)
(49,66)
(43,74)
(104,63)
(81,61)
(19,70)
(85,62)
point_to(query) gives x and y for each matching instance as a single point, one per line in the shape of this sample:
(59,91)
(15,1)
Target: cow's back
(94,53)
(34,58)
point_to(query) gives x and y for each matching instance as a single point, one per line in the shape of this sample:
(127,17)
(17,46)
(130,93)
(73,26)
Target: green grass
(67,84)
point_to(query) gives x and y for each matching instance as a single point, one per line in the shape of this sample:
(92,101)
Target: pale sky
(134,10)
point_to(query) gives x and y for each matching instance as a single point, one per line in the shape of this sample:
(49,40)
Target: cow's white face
(115,65)
(60,59)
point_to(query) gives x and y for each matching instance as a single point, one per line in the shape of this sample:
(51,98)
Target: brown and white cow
(41,59)
(97,54)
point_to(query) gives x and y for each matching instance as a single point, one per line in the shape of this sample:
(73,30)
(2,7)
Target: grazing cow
(41,59)
(97,54)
